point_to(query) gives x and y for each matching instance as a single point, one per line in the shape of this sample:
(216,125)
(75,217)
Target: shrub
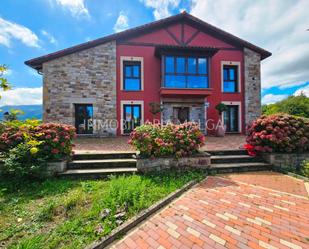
(304,168)
(29,146)
(279,133)
(153,140)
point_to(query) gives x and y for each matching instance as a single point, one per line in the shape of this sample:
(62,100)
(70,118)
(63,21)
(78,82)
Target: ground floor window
(84,118)
(231,118)
(132,116)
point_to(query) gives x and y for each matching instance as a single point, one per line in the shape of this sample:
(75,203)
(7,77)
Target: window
(230,78)
(132,75)
(131,117)
(185,72)
(84,118)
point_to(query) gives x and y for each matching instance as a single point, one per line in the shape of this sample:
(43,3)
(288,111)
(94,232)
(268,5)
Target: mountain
(30,111)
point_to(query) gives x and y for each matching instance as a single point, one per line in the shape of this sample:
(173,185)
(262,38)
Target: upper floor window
(132,75)
(230,78)
(185,72)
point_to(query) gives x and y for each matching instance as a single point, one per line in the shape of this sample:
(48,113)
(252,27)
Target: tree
(4,84)
(293,105)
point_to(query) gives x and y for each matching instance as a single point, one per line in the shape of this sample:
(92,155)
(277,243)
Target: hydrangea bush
(153,140)
(28,147)
(278,133)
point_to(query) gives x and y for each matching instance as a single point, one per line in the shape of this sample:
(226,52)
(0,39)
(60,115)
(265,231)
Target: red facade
(144,46)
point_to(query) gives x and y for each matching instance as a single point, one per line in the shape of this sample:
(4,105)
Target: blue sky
(36,27)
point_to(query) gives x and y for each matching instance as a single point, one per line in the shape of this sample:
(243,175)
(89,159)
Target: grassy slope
(68,213)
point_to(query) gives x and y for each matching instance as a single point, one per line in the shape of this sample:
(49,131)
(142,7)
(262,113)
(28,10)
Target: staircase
(96,165)
(227,161)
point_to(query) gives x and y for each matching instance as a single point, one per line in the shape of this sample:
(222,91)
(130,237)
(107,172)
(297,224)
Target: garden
(40,211)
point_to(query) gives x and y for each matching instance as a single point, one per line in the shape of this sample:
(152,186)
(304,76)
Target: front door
(230,118)
(181,114)
(132,117)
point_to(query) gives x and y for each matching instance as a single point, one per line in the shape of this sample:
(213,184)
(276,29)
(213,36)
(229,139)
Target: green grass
(61,213)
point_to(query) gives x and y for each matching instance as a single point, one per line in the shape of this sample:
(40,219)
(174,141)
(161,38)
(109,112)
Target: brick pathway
(225,213)
(228,142)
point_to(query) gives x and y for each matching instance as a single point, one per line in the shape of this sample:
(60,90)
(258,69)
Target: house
(180,65)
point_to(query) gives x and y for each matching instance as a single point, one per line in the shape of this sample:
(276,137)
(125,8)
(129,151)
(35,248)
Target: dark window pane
(175,81)
(83,118)
(232,73)
(132,84)
(136,71)
(225,74)
(169,64)
(128,71)
(197,82)
(229,86)
(180,64)
(202,65)
(192,65)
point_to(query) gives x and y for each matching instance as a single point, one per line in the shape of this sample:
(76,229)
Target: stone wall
(252,85)
(196,112)
(197,161)
(285,160)
(85,77)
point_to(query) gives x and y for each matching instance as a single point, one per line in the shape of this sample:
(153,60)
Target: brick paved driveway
(222,212)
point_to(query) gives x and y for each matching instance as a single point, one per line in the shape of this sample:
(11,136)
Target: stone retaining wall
(198,161)
(285,160)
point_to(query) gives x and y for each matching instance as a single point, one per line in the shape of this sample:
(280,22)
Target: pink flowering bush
(153,140)
(278,133)
(28,148)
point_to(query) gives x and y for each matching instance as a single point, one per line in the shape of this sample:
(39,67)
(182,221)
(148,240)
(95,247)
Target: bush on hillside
(278,133)
(153,140)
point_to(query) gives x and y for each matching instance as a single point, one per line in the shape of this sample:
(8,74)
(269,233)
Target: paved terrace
(229,142)
(249,210)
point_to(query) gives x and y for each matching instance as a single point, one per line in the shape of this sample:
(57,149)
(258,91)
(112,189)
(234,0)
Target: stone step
(234,159)
(227,152)
(96,173)
(238,167)
(102,164)
(104,155)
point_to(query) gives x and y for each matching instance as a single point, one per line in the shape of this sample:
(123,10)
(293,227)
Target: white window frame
(131,58)
(130,102)
(239,114)
(231,63)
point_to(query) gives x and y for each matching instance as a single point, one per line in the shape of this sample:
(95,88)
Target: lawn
(62,213)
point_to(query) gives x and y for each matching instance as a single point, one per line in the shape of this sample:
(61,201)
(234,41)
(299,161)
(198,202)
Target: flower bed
(170,146)
(278,133)
(153,140)
(28,147)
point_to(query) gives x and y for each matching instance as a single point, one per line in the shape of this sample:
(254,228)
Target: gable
(179,34)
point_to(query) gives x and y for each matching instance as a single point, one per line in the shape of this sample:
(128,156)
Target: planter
(285,160)
(54,168)
(197,161)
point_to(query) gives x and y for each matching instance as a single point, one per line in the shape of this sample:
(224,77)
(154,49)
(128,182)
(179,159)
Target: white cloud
(10,30)
(50,37)
(273,98)
(122,22)
(21,96)
(161,7)
(76,7)
(304,90)
(278,26)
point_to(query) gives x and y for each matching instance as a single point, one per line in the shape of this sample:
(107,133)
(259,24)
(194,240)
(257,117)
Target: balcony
(196,92)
